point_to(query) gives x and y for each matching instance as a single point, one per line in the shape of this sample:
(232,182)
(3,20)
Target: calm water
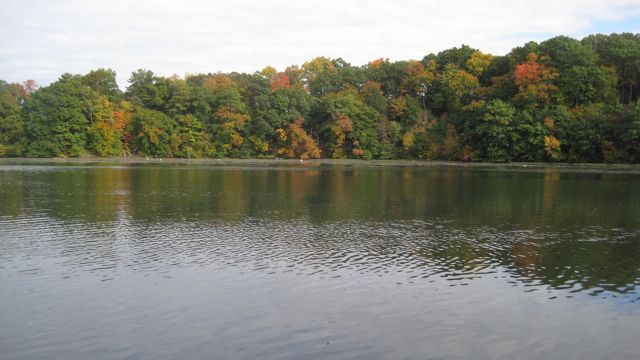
(310,261)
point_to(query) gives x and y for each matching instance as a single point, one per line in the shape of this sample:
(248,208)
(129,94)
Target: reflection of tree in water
(594,260)
(579,262)
(565,230)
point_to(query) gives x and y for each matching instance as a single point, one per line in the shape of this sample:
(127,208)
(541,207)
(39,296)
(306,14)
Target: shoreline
(296,163)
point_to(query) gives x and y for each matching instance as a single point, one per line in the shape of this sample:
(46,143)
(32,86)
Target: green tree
(12,96)
(454,88)
(103,82)
(321,76)
(142,90)
(277,110)
(189,139)
(152,132)
(455,56)
(390,75)
(495,132)
(630,133)
(622,51)
(350,127)
(581,85)
(564,52)
(57,117)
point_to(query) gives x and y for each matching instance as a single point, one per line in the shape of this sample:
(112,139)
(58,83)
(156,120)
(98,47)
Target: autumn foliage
(535,82)
(562,99)
(532,72)
(280,81)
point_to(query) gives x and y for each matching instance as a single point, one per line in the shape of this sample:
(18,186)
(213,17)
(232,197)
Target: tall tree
(57,117)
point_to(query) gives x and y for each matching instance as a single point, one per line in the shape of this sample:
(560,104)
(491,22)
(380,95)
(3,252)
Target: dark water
(317,261)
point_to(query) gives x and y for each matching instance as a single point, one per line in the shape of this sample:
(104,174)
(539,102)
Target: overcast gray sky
(41,39)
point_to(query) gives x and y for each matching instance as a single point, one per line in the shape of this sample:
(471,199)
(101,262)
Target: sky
(42,39)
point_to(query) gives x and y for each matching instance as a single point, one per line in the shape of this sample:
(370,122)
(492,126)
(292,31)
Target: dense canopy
(559,100)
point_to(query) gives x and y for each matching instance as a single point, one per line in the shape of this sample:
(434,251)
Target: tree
(347,76)
(418,81)
(320,76)
(623,51)
(478,63)
(521,54)
(495,131)
(229,129)
(296,143)
(581,85)
(268,72)
(404,110)
(295,75)
(152,132)
(280,81)
(279,108)
(560,100)
(580,132)
(630,133)
(106,132)
(454,88)
(190,140)
(142,90)
(12,96)
(373,96)
(390,75)
(57,117)
(564,52)
(535,83)
(350,127)
(103,82)
(455,56)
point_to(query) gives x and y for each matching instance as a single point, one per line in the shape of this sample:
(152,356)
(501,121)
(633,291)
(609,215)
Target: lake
(317,260)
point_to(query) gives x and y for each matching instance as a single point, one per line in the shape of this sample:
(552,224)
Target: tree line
(562,99)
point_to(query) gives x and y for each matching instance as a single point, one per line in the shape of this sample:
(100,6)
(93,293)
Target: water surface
(318,261)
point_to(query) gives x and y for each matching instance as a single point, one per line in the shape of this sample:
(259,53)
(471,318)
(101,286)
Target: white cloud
(42,39)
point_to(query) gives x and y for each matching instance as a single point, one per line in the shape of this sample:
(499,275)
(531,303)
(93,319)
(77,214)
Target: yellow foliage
(236,139)
(217,83)
(417,77)
(408,140)
(259,145)
(282,134)
(268,72)
(232,123)
(317,66)
(229,115)
(153,137)
(478,63)
(301,145)
(399,106)
(550,124)
(341,126)
(378,62)
(552,147)
(475,106)
(370,86)
(230,135)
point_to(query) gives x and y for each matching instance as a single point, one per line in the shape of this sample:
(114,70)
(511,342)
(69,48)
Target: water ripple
(417,249)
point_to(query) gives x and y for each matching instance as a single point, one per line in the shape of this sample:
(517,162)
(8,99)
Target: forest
(560,100)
